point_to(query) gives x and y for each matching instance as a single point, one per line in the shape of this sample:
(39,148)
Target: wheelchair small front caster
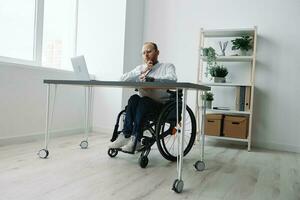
(143,160)
(178,186)
(43,153)
(199,165)
(112,152)
(84,144)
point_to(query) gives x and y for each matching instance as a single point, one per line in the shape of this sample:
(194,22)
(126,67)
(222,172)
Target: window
(39,32)
(17,29)
(59,33)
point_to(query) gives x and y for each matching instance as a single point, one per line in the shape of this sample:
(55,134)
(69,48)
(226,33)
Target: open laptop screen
(80,68)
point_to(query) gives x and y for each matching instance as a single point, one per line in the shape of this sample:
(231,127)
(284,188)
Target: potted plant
(209,97)
(210,53)
(243,44)
(218,72)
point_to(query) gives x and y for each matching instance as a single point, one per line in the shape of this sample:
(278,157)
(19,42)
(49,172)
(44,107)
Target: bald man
(148,101)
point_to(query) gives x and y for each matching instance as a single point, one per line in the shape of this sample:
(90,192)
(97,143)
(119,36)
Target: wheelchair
(162,129)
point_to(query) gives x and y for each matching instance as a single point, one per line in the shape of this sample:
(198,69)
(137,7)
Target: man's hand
(149,64)
(142,77)
(144,73)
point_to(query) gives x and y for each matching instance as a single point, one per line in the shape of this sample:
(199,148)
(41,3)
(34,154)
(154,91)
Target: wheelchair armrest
(149,79)
(173,94)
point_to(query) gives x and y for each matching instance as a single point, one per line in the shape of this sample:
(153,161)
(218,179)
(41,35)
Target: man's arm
(168,76)
(133,75)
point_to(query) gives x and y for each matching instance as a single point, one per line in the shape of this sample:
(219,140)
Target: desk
(199,165)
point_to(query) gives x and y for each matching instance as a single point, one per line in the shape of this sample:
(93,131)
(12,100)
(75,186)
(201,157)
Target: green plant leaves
(243,43)
(214,69)
(211,55)
(218,71)
(208,96)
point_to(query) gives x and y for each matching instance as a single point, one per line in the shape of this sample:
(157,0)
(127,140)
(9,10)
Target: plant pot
(243,52)
(219,79)
(208,104)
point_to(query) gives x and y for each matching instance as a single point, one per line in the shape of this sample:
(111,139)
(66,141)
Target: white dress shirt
(161,72)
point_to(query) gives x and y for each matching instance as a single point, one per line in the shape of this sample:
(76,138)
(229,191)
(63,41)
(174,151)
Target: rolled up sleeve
(132,75)
(169,74)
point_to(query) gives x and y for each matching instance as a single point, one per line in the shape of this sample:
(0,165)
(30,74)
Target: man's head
(150,52)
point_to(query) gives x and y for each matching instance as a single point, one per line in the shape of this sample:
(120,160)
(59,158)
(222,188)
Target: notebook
(80,68)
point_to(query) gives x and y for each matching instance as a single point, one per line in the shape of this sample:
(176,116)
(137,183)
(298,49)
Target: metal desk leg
(178,183)
(43,153)
(200,165)
(90,98)
(87,101)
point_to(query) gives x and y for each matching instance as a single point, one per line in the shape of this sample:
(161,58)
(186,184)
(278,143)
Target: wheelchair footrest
(147,141)
(131,152)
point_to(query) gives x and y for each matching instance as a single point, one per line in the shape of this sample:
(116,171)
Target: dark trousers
(137,112)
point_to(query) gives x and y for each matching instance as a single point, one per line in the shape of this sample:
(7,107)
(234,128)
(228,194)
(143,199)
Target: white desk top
(153,85)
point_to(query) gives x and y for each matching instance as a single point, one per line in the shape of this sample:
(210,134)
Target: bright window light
(58,34)
(17,29)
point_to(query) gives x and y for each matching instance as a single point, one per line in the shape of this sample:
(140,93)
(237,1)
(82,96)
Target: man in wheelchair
(148,102)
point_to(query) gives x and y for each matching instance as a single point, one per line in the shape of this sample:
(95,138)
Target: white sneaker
(119,142)
(130,145)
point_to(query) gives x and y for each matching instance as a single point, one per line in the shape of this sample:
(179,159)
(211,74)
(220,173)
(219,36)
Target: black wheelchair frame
(162,130)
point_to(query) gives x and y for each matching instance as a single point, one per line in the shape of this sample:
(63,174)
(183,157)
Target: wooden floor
(73,173)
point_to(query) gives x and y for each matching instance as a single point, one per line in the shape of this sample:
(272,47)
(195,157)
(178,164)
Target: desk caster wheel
(112,152)
(43,153)
(199,165)
(178,186)
(84,144)
(143,160)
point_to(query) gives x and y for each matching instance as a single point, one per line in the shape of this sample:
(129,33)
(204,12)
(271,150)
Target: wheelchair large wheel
(166,133)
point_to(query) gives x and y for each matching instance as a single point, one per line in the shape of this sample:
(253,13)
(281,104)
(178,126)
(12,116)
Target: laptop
(80,68)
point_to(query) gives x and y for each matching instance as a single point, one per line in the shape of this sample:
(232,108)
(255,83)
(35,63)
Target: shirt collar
(154,66)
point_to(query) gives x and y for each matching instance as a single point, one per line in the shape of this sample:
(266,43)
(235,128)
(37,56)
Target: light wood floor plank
(71,173)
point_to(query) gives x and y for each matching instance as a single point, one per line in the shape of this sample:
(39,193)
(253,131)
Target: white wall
(23,102)
(133,40)
(101,40)
(175,24)
(23,94)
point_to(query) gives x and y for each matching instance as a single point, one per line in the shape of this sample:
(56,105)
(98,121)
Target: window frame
(38,39)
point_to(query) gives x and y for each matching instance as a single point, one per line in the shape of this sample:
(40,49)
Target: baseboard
(39,136)
(105,130)
(277,146)
(263,145)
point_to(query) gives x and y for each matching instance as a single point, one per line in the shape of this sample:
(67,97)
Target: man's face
(149,53)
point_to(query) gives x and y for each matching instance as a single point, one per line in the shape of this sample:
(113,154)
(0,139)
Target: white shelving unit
(233,112)
(251,59)
(231,58)
(228,84)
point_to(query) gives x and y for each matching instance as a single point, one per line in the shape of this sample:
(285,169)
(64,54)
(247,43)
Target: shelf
(227,138)
(231,58)
(239,65)
(210,111)
(228,84)
(228,32)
